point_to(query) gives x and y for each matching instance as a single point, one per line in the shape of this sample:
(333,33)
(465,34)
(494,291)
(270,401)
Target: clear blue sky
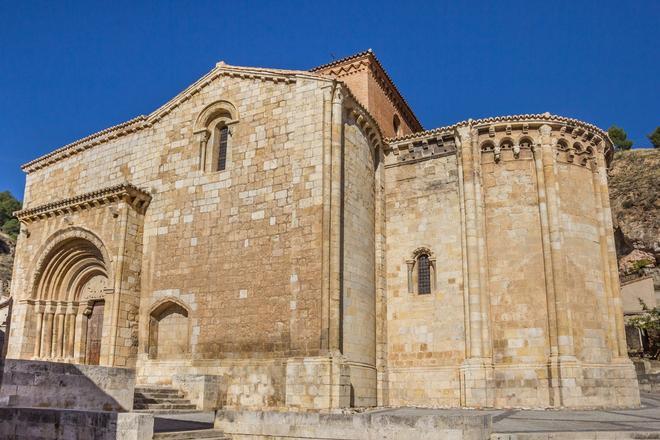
(68,69)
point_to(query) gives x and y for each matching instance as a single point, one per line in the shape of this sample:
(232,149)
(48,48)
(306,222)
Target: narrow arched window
(396,125)
(222,133)
(423,275)
(212,128)
(421,272)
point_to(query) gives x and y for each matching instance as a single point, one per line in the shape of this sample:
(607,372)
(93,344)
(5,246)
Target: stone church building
(300,235)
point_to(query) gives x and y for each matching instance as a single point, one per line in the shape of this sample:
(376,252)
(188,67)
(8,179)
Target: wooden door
(94,332)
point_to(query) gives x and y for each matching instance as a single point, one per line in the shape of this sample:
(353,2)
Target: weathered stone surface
(59,385)
(371,426)
(260,228)
(20,423)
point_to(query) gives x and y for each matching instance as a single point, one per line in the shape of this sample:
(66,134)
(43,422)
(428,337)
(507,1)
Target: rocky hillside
(635,195)
(7,245)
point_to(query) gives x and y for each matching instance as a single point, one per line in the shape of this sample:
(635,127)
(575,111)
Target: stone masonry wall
(426,334)
(56,424)
(359,321)
(516,278)
(58,385)
(239,249)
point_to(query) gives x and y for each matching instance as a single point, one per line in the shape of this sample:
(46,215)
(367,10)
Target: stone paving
(643,419)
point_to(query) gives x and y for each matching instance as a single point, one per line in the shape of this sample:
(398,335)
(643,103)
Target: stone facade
(298,235)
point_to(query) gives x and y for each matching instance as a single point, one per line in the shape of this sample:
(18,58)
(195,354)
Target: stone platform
(640,423)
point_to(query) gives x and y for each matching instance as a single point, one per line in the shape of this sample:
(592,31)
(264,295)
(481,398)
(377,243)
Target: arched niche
(169,330)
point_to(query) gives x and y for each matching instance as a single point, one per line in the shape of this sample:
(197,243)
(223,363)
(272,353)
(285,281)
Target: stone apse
(299,236)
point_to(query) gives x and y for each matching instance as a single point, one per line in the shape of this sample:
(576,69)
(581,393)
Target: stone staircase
(156,398)
(207,434)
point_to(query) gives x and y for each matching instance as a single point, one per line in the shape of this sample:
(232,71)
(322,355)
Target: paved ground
(646,418)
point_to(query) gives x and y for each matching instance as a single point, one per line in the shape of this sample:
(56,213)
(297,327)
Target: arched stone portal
(68,294)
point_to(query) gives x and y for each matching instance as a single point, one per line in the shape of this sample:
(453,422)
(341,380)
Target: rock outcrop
(7,245)
(635,196)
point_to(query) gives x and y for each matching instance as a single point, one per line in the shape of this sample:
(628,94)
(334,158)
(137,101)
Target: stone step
(166,411)
(156,390)
(577,435)
(208,434)
(165,406)
(142,398)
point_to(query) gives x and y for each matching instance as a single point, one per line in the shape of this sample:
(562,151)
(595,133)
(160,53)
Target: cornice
(85,143)
(422,145)
(364,118)
(481,123)
(367,59)
(137,197)
(140,122)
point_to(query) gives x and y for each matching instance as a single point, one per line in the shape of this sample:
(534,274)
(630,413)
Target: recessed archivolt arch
(66,262)
(218,109)
(67,268)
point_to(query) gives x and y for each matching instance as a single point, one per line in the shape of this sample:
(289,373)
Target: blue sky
(68,69)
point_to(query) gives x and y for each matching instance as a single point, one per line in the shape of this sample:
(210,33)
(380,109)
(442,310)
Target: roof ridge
(372,54)
(342,60)
(143,121)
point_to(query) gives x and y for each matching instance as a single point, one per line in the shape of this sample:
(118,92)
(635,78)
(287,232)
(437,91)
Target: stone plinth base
(208,392)
(256,425)
(476,383)
(58,385)
(58,424)
(314,383)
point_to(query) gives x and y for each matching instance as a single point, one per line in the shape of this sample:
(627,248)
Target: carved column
(473,276)
(476,370)
(410,264)
(202,139)
(80,339)
(58,335)
(336,221)
(328,93)
(69,333)
(37,334)
(481,245)
(555,397)
(564,324)
(47,335)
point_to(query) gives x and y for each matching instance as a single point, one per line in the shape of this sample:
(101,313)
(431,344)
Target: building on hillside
(300,235)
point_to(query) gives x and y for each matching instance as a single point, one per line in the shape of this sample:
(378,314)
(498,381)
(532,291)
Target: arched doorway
(68,296)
